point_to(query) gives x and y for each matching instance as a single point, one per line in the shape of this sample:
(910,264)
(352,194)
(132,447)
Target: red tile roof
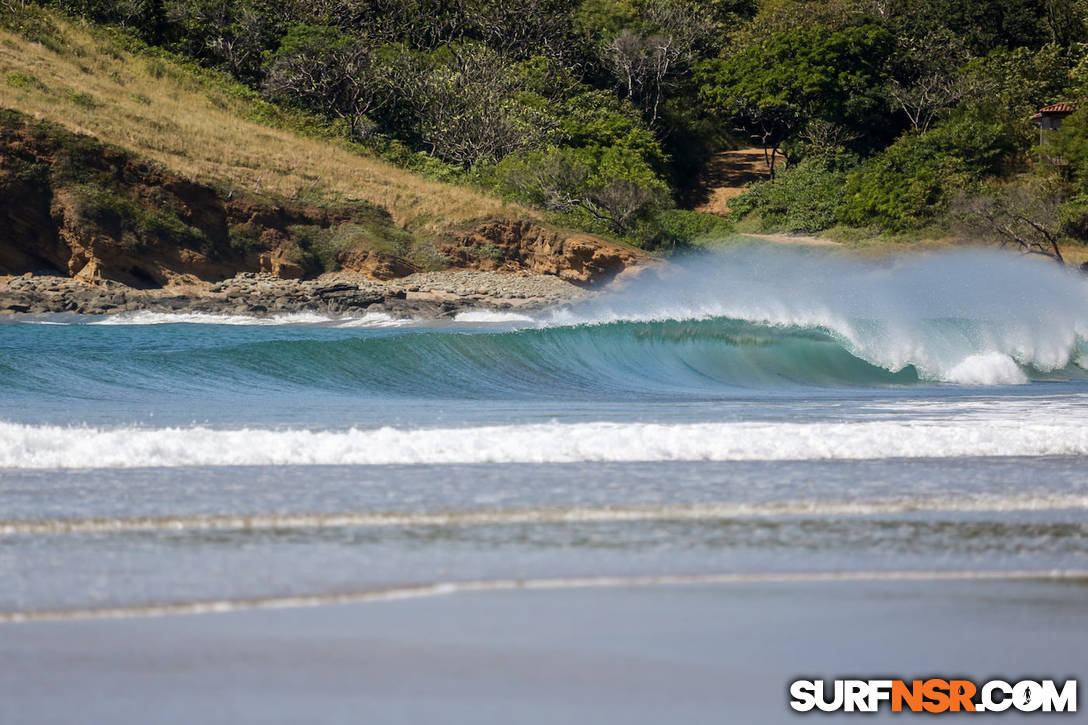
(1063,107)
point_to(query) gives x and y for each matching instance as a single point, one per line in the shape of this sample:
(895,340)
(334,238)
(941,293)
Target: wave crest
(749,319)
(968,316)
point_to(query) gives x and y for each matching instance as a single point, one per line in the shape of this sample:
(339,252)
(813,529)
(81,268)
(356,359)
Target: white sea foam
(372,319)
(988,368)
(369,319)
(967,317)
(491,316)
(25,446)
(206,318)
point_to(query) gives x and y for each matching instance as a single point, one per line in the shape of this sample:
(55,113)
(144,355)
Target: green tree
(1020,80)
(983,25)
(612,188)
(775,88)
(524,28)
(472,105)
(597,120)
(925,80)
(233,34)
(806,197)
(1068,152)
(647,61)
(321,68)
(912,182)
(146,17)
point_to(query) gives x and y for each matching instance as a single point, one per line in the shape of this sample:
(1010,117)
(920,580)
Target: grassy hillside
(197,126)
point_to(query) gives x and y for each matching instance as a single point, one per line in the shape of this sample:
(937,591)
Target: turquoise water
(755,412)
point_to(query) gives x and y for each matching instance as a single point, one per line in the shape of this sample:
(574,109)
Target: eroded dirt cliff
(93,212)
(522,245)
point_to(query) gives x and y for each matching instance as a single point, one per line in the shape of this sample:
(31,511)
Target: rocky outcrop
(422,294)
(375,264)
(525,246)
(73,207)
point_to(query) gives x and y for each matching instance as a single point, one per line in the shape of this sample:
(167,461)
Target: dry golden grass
(165,113)
(1075,255)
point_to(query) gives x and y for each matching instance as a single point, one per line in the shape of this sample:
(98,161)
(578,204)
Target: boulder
(375,264)
(523,245)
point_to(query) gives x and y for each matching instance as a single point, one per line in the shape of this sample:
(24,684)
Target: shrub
(166,225)
(904,188)
(1068,152)
(1025,214)
(33,23)
(24,80)
(1073,216)
(806,197)
(111,211)
(22,173)
(84,100)
(244,238)
(613,189)
(321,247)
(911,183)
(326,245)
(312,248)
(679,227)
(104,207)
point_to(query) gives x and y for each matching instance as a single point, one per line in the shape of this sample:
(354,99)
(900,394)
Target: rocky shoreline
(422,295)
(93,229)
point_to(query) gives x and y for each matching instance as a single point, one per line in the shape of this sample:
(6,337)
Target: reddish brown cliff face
(522,245)
(93,212)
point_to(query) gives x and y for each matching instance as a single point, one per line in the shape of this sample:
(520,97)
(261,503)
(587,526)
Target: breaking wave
(749,319)
(970,317)
(29,446)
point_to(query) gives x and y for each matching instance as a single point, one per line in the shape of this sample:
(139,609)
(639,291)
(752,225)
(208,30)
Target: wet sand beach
(696,653)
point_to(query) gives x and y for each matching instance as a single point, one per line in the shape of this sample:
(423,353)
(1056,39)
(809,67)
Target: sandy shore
(426,294)
(800,240)
(698,654)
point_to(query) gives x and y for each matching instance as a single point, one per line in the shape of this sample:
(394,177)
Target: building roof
(1062,108)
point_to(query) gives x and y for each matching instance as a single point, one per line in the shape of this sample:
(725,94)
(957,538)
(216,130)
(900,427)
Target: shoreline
(401,592)
(425,295)
(633,655)
(420,295)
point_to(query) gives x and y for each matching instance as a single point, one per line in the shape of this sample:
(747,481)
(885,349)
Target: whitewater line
(50,446)
(418,591)
(511,517)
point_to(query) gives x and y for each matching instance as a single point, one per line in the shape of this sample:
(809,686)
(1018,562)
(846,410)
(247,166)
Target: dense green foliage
(913,181)
(797,78)
(882,114)
(806,197)
(913,115)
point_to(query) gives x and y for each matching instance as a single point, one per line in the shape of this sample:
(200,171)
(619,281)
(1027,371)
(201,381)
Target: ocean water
(756,415)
